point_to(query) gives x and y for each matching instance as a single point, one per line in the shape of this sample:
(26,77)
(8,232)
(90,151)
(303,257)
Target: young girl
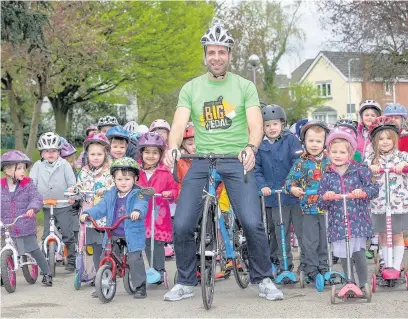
(95,177)
(19,196)
(384,133)
(346,176)
(369,111)
(400,114)
(349,124)
(162,127)
(155,174)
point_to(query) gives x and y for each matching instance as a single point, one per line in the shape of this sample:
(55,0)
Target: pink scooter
(350,290)
(389,276)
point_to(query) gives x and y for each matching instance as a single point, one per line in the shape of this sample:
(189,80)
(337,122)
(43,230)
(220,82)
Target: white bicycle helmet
(160,123)
(142,129)
(49,141)
(369,104)
(131,127)
(217,35)
(107,121)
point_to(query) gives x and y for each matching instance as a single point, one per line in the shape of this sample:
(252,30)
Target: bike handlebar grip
(404,170)
(50,202)
(175,175)
(349,196)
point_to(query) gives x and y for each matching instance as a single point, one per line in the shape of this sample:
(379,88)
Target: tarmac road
(62,300)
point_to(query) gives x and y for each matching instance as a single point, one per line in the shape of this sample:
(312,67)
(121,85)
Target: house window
(387,87)
(324,89)
(351,108)
(319,118)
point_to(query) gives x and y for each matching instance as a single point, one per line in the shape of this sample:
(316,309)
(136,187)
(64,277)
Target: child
(155,174)
(384,133)
(187,147)
(132,150)
(91,129)
(162,127)
(80,162)
(305,175)
(347,176)
(126,199)
(400,114)
(96,177)
(53,176)
(369,111)
(106,122)
(119,141)
(352,126)
(19,196)
(274,159)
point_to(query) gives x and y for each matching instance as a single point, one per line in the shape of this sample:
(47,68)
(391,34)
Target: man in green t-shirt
(227,118)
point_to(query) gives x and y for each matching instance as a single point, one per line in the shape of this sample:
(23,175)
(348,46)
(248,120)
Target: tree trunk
(15,112)
(36,117)
(60,113)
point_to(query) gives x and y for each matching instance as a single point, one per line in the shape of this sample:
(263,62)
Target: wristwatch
(253,148)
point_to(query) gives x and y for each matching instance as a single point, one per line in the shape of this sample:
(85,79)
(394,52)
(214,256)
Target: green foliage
(298,100)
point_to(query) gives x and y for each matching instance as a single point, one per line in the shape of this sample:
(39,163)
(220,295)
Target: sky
(316,39)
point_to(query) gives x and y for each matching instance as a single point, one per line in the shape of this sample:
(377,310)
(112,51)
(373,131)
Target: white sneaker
(179,292)
(268,290)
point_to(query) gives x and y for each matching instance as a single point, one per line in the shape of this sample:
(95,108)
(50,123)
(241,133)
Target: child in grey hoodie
(53,175)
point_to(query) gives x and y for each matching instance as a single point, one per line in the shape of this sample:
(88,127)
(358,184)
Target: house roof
(281,81)
(340,60)
(298,73)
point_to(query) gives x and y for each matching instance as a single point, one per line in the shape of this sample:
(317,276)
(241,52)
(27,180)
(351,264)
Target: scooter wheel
(77,281)
(368,292)
(373,283)
(333,295)
(302,279)
(319,282)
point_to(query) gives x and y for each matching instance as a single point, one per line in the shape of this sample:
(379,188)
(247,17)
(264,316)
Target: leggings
(41,261)
(359,259)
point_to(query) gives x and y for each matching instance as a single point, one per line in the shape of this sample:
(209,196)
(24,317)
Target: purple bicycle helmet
(342,132)
(152,139)
(15,157)
(160,123)
(96,138)
(67,150)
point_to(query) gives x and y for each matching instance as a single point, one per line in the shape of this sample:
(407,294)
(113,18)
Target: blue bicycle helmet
(395,109)
(118,131)
(299,125)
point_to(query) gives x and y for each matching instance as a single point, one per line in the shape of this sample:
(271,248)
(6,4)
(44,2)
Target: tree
(377,28)
(262,28)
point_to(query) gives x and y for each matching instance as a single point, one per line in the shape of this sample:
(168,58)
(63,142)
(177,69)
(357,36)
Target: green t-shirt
(218,111)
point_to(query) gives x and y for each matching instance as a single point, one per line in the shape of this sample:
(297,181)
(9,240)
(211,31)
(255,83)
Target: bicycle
(53,245)
(11,261)
(208,244)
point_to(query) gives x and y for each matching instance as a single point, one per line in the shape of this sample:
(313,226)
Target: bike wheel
(8,275)
(52,262)
(127,283)
(104,285)
(240,264)
(207,263)
(30,272)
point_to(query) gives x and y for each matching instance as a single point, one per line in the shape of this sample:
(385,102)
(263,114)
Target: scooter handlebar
(273,191)
(340,196)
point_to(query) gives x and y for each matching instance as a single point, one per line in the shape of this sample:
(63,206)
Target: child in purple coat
(19,196)
(346,176)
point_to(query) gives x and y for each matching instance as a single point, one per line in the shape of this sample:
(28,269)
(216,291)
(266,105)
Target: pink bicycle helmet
(342,132)
(98,138)
(91,128)
(151,139)
(15,157)
(159,124)
(189,131)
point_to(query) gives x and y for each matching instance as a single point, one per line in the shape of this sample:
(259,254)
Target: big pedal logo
(217,114)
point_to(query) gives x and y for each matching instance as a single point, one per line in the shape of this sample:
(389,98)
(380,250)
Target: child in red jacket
(155,174)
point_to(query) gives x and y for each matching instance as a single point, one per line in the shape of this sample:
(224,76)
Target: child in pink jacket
(155,174)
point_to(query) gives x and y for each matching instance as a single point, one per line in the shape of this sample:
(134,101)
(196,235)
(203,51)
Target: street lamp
(349,78)
(254,61)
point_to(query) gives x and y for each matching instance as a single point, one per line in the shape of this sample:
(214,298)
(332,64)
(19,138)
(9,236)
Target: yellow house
(329,72)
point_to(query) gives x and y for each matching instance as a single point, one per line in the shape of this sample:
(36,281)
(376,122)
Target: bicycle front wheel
(208,248)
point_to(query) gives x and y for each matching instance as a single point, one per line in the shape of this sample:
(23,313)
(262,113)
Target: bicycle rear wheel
(240,263)
(208,247)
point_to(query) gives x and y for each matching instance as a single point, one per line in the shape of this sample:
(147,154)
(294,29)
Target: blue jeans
(246,205)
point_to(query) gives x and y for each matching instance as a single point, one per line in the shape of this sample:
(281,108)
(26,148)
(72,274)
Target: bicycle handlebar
(349,195)
(54,202)
(106,228)
(392,170)
(14,221)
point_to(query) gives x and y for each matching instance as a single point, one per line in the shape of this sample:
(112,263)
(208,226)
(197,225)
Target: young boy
(119,141)
(53,175)
(106,122)
(126,199)
(275,156)
(305,175)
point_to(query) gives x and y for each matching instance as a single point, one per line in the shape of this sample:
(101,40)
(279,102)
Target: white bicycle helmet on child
(49,141)
(107,121)
(131,127)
